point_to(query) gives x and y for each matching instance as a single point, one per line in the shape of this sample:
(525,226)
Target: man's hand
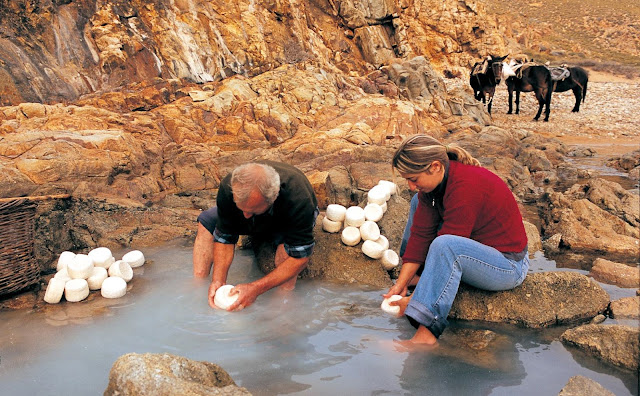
(247,295)
(212,292)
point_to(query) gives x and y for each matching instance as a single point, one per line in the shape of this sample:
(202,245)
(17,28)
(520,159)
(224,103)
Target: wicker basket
(18,266)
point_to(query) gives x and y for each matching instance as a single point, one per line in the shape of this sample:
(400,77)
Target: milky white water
(320,339)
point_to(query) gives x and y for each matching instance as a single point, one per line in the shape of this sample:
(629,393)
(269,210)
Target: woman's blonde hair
(417,153)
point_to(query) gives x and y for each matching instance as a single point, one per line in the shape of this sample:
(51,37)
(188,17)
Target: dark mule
(484,77)
(577,82)
(535,78)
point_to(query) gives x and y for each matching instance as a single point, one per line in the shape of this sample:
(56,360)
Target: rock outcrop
(544,299)
(614,344)
(165,374)
(579,385)
(58,51)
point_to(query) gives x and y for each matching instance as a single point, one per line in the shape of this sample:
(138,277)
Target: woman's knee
(442,242)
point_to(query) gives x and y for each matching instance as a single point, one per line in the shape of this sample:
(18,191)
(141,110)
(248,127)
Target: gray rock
(165,374)
(614,344)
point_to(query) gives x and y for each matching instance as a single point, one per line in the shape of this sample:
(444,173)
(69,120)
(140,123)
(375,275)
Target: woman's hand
(398,289)
(402,303)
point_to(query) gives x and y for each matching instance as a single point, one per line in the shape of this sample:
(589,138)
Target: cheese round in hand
(222,299)
(393,310)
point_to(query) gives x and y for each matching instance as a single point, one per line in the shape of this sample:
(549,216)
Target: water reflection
(323,338)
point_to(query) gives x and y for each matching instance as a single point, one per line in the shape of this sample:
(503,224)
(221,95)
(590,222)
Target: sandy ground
(608,121)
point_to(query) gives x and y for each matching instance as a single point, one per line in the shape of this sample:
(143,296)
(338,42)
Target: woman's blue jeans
(450,260)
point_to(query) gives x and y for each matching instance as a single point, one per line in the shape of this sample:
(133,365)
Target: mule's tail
(584,90)
(551,86)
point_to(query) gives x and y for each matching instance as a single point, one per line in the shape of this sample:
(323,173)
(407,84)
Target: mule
(577,82)
(484,77)
(535,78)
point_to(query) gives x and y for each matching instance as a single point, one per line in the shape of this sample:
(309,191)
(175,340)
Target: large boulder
(615,344)
(544,299)
(164,375)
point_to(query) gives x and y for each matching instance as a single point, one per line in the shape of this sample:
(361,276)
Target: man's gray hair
(248,177)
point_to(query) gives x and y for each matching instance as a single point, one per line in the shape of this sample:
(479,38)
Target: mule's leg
(490,93)
(577,92)
(547,98)
(510,99)
(517,101)
(540,104)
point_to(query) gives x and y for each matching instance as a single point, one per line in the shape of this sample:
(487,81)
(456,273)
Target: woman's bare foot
(424,336)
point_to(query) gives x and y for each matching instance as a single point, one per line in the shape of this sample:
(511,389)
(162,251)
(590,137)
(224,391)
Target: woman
(464,225)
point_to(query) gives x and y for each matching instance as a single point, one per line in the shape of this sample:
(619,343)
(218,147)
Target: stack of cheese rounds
(78,274)
(358,224)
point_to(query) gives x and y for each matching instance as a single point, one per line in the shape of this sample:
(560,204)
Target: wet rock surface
(615,344)
(165,374)
(542,300)
(579,385)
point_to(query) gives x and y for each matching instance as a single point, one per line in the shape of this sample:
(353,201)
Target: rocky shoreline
(592,216)
(127,116)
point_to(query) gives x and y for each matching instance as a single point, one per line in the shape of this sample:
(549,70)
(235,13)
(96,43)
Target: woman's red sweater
(471,202)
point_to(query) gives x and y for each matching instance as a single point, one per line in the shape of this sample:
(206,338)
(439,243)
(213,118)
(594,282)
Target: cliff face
(138,108)
(58,50)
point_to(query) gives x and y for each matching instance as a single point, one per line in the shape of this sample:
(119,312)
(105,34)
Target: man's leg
(203,245)
(202,253)
(281,256)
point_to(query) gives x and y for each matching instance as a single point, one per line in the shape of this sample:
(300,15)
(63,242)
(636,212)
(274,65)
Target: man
(266,199)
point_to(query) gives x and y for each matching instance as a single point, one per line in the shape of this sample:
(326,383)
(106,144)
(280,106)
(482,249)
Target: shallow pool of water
(320,339)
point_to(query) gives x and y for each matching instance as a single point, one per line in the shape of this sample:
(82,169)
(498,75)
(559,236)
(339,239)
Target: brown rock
(533,236)
(615,273)
(542,300)
(586,227)
(580,386)
(626,308)
(165,374)
(617,345)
